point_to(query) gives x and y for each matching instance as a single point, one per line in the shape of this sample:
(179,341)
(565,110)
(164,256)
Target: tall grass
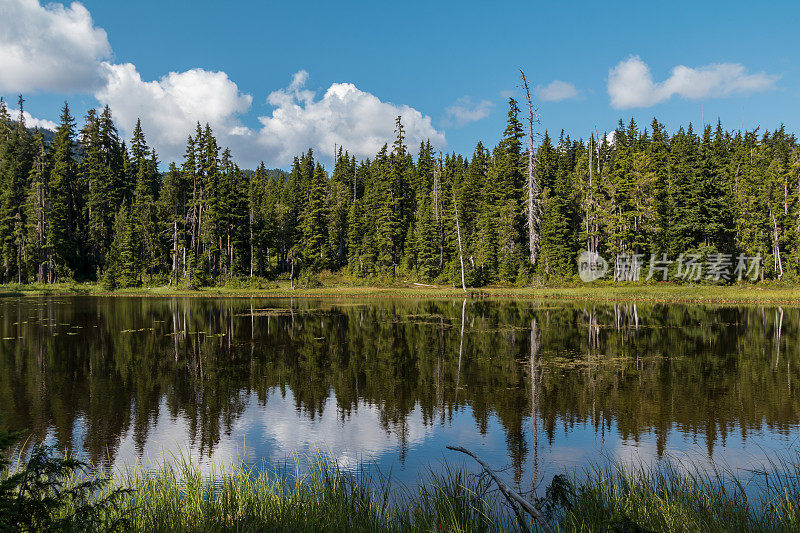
(315,495)
(665,497)
(342,286)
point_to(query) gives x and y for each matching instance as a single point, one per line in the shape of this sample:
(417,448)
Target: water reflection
(533,385)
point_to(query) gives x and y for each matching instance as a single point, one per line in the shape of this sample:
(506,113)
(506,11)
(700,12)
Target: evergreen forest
(83,204)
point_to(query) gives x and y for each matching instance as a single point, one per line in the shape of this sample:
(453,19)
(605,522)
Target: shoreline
(178,496)
(666,293)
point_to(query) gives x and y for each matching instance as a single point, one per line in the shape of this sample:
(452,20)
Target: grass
(335,286)
(178,497)
(666,498)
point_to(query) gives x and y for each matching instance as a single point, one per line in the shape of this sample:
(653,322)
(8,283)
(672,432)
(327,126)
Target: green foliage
(666,497)
(48,492)
(315,495)
(637,191)
(308,280)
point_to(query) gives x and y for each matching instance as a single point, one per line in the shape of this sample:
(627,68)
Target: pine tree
(384,208)
(62,196)
(427,260)
(36,215)
(15,164)
(144,243)
(315,245)
(95,176)
(338,202)
(508,172)
(124,266)
(558,235)
(172,207)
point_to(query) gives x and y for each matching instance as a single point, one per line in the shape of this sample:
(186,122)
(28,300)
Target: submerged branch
(510,495)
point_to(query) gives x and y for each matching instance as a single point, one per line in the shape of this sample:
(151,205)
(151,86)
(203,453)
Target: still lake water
(534,387)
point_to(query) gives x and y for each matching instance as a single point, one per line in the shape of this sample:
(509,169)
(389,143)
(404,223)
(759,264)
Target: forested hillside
(89,206)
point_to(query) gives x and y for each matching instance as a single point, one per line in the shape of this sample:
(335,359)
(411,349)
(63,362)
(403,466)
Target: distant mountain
(274,173)
(49,135)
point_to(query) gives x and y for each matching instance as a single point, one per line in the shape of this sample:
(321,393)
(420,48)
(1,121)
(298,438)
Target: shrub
(49,492)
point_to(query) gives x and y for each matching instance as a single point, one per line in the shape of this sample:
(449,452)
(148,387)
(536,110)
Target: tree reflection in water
(87,371)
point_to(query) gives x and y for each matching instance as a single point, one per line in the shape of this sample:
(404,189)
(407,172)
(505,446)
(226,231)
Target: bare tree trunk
(776,246)
(534,207)
(175,251)
(291,274)
(251,242)
(460,347)
(535,347)
(512,497)
(778,331)
(460,251)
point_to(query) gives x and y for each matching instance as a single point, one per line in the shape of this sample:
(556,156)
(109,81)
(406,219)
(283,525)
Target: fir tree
(315,249)
(62,199)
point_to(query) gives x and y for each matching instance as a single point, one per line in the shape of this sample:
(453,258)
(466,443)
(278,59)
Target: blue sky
(419,59)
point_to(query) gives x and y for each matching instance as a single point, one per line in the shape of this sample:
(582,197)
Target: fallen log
(512,497)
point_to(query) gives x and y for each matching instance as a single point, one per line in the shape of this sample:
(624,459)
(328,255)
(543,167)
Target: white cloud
(57,48)
(464,111)
(31,121)
(171,107)
(345,116)
(556,91)
(630,83)
(49,48)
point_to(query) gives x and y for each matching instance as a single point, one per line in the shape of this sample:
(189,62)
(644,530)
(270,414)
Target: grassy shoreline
(178,496)
(656,293)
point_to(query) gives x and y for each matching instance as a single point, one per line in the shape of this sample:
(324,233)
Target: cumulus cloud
(464,111)
(49,48)
(630,83)
(171,106)
(344,116)
(58,49)
(556,91)
(31,121)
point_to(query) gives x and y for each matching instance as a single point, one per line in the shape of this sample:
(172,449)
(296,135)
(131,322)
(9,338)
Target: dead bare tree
(776,247)
(291,274)
(534,194)
(536,344)
(460,251)
(512,497)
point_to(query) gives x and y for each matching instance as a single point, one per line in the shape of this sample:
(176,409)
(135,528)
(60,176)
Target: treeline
(87,206)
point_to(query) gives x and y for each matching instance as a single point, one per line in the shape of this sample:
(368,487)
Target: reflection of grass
(318,496)
(335,287)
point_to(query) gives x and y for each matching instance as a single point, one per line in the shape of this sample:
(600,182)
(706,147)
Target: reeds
(314,494)
(311,494)
(667,497)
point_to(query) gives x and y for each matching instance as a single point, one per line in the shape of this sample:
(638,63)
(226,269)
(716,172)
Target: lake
(533,387)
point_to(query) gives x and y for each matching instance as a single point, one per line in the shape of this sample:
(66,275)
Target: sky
(275,78)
